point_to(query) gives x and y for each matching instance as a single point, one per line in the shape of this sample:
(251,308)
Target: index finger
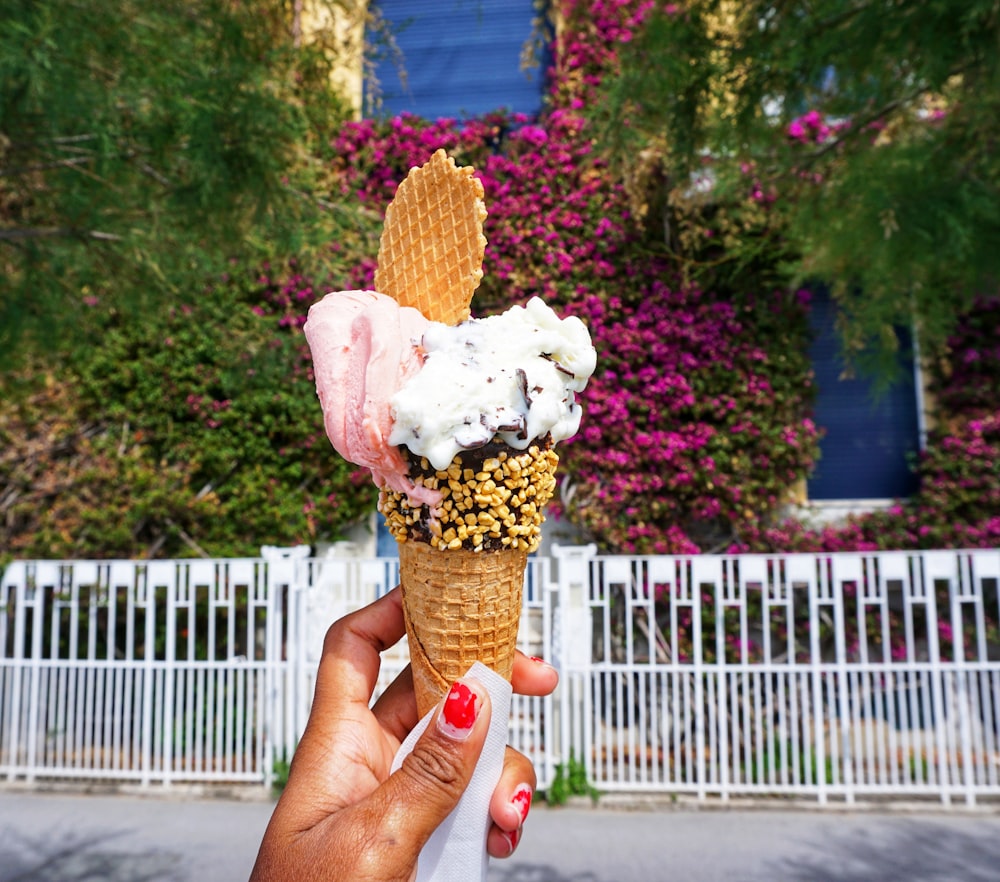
(533,676)
(348,670)
(396,708)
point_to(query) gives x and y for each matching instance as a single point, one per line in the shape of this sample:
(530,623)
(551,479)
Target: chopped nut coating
(492,499)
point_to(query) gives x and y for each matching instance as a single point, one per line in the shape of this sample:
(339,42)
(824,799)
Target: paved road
(47,837)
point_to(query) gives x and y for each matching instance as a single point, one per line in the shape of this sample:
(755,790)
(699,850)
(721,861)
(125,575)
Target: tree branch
(147,169)
(44,166)
(868,119)
(56,232)
(187,539)
(335,207)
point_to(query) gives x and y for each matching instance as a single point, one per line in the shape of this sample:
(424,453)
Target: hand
(342,816)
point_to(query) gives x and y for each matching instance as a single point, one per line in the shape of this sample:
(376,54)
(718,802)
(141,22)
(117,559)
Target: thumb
(432,779)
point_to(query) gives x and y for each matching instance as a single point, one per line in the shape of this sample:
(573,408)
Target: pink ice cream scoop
(364,348)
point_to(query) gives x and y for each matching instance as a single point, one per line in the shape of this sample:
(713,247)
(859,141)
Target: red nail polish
(540,661)
(512,839)
(461,708)
(522,801)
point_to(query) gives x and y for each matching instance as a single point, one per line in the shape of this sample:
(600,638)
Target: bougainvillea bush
(199,431)
(958,504)
(692,428)
(694,421)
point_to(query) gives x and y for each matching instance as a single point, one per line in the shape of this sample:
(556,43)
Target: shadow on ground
(923,853)
(501,871)
(76,857)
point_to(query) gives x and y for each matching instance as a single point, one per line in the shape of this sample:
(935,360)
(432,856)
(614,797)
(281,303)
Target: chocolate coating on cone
(460,607)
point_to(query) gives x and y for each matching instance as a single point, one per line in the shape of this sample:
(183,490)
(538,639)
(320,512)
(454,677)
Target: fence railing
(154,671)
(837,676)
(827,676)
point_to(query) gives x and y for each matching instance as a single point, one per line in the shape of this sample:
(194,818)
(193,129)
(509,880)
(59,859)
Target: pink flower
(796,130)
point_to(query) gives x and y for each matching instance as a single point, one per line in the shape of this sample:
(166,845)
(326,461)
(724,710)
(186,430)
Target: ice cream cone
(460,607)
(455,417)
(463,558)
(461,564)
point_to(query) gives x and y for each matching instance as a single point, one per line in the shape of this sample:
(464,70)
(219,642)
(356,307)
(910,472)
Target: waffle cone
(431,251)
(460,607)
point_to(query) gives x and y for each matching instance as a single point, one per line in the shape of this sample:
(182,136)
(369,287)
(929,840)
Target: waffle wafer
(432,245)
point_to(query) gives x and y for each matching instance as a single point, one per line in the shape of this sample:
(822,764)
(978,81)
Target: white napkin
(456,852)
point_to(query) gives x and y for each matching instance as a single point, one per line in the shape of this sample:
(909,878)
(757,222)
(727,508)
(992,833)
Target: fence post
(39,573)
(283,661)
(963,671)
(935,566)
(816,586)
(574,649)
(149,641)
(15,578)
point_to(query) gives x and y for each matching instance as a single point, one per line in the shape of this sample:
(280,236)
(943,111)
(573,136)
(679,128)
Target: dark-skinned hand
(342,817)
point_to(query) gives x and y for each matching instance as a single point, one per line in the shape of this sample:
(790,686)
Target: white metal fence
(836,676)
(832,676)
(144,671)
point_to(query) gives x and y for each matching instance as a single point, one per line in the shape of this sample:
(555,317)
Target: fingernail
(512,839)
(461,707)
(521,801)
(540,661)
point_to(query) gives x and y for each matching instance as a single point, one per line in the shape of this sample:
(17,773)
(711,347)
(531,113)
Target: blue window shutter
(869,439)
(461,58)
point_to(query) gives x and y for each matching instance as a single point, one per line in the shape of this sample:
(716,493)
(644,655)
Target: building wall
(342,27)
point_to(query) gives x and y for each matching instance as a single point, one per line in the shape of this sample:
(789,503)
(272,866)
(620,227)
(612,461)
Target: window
(869,439)
(460,58)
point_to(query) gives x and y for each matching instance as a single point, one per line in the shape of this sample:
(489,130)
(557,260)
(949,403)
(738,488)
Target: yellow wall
(340,25)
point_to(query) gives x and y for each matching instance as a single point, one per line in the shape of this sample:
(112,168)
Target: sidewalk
(61,837)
